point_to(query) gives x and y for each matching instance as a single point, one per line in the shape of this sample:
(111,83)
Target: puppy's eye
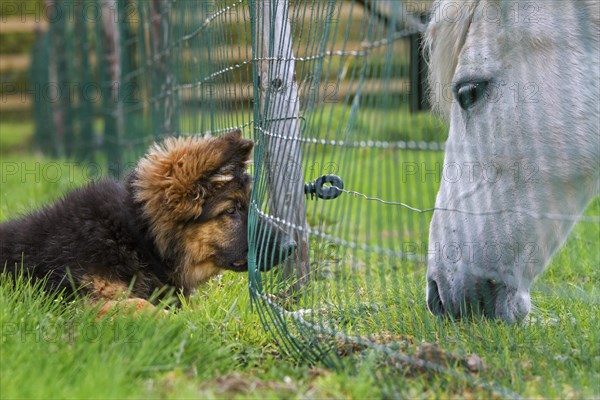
(469,93)
(230,210)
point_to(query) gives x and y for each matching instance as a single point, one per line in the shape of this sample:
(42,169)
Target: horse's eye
(469,93)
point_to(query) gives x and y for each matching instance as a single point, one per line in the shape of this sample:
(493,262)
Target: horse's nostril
(489,292)
(434,301)
(479,298)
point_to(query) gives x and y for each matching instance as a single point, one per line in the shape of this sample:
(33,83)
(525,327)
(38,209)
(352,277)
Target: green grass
(212,347)
(15,136)
(215,344)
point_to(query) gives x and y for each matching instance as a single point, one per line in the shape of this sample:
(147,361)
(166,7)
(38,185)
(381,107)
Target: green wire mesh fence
(335,99)
(112,76)
(324,87)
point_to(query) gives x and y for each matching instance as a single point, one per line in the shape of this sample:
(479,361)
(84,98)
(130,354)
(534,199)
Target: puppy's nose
(288,248)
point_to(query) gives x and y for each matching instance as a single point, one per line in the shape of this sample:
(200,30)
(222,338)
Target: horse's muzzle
(476,298)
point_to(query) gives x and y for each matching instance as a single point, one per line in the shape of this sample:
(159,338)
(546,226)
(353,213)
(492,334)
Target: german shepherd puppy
(180,218)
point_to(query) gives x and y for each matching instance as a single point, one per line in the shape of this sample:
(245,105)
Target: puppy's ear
(242,148)
(236,156)
(174,178)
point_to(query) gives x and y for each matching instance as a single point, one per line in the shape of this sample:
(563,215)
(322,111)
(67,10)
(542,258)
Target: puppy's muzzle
(274,245)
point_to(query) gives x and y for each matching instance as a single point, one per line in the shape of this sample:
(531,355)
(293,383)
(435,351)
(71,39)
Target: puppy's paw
(132,306)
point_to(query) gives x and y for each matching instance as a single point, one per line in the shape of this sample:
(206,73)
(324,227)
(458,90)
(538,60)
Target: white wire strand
(560,217)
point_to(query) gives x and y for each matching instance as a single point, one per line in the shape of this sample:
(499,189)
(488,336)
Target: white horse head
(519,82)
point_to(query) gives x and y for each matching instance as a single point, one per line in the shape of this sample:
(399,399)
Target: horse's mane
(444,39)
(446,34)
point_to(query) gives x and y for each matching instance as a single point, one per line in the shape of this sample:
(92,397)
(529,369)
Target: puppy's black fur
(179,218)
